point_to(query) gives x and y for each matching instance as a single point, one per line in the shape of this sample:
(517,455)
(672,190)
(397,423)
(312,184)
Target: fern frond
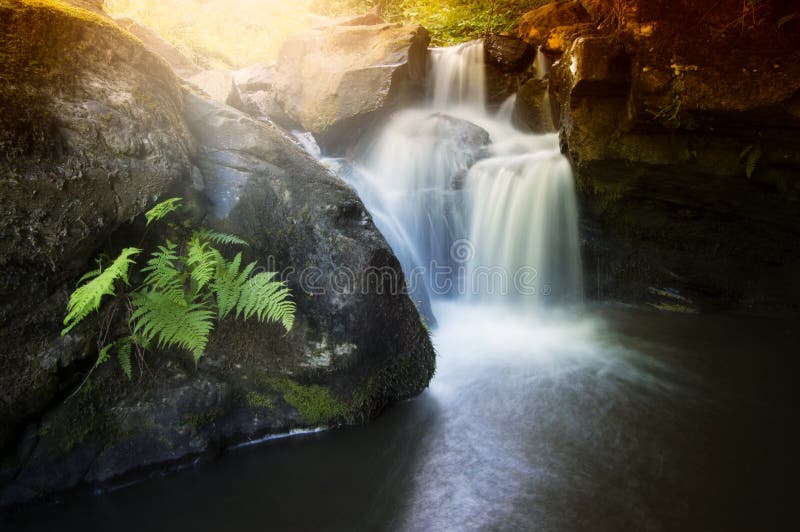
(159,319)
(229,283)
(222,238)
(87,297)
(102,356)
(268,300)
(124,347)
(163,273)
(202,262)
(162,209)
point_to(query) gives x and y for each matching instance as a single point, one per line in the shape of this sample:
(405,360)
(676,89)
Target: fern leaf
(163,274)
(124,347)
(268,300)
(102,356)
(161,320)
(162,209)
(222,238)
(202,262)
(87,297)
(229,282)
(752,160)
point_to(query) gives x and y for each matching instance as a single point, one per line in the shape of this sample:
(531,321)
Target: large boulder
(358,342)
(535,25)
(337,81)
(219,85)
(256,85)
(687,164)
(182,65)
(91,134)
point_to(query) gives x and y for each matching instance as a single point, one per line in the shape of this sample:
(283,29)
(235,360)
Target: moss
(197,422)
(316,404)
(258,400)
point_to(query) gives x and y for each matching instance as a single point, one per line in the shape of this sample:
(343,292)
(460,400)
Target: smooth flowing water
(541,416)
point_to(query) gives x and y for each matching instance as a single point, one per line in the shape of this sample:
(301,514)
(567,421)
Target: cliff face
(683,125)
(94,130)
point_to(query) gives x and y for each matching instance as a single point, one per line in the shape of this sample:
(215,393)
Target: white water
(468,218)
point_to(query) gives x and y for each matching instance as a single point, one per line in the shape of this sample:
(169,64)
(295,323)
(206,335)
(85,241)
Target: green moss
(197,422)
(258,400)
(316,404)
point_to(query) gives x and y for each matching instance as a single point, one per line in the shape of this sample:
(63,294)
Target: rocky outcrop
(532,109)
(182,65)
(536,25)
(90,134)
(684,138)
(256,85)
(337,82)
(83,157)
(219,85)
(508,66)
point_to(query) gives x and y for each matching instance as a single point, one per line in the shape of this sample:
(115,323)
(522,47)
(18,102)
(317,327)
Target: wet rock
(535,25)
(91,134)
(256,85)
(339,81)
(507,53)
(532,109)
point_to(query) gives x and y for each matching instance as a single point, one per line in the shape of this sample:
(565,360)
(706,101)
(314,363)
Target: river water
(625,420)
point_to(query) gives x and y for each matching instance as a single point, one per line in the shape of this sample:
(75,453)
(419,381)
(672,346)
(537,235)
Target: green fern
(161,320)
(164,275)
(103,356)
(229,283)
(202,262)
(124,349)
(87,297)
(186,288)
(222,238)
(162,209)
(267,300)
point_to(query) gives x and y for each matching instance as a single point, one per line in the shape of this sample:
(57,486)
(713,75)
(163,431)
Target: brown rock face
(337,81)
(535,25)
(219,85)
(682,126)
(181,64)
(509,54)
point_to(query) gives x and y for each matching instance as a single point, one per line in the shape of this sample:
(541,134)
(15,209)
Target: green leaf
(124,348)
(202,262)
(87,297)
(222,238)
(162,209)
(163,273)
(102,356)
(268,300)
(161,320)
(229,283)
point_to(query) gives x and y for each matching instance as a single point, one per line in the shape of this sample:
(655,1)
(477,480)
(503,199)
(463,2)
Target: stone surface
(256,85)
(90,135)
(339,81)
(535,25)
(532,109)
(685,146)
(94,131)
(507,53)
(182,65)
(219,85)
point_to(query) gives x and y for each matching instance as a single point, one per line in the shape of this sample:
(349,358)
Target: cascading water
(473,208)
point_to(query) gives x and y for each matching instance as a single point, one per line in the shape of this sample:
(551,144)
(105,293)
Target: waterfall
(472,207)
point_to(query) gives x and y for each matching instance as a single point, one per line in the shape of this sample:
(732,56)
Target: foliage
(186,287)
(750,156)
(449,21)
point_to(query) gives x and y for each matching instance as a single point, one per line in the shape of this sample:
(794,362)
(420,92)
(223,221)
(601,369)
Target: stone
(91,134)
(219,85)
(507,53)
(535,25)
(182,65)
(339,81)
